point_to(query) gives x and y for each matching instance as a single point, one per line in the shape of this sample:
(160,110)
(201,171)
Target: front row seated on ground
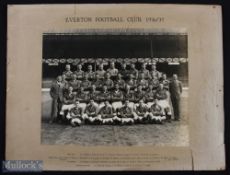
(108,115)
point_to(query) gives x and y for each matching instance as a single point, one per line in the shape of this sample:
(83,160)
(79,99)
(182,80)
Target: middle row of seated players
(108,115)
(116,96)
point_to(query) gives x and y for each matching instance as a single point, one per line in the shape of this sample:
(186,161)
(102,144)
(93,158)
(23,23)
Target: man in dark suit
(56,93)
(175,88)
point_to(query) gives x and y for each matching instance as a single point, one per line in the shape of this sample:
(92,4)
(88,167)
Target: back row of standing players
(113,76)
(114,86)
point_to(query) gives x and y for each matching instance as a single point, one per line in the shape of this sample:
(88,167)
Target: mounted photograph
(114,87)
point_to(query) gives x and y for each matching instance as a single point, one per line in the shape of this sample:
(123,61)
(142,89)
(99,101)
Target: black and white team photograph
(115,88)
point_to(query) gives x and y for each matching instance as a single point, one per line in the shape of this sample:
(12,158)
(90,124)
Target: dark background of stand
(58,46)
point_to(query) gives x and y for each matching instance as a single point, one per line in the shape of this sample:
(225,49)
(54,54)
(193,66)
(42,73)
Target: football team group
(121,95)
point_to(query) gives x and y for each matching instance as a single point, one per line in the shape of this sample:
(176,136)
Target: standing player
(90,74)
(141,112)
(79,73)
(75,115)
(101,72)
(112,70)
(154,73)
(143,71)
(68,73)
(123,71)
(133,71)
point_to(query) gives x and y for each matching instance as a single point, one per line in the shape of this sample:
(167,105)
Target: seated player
(93,94)
(91,111)
(107,81)
(106,113)
(82,97)
(75,115)
(101,72)
(139,94)
(165,81)
(76,84)
(142,81)
(154,82)
(68,101)
(141,112)
(125,114)
(120,81)
(156,113)
(163,99)
(79,73)
(98,82)
(68,73)
(143,71)
(85,82)
(89,73)
(131,82)
(154,73)
(65,84)
(128,94)
(104,96)
(116,97)
(133,71)
(149,95)
(161,93)
(112,70)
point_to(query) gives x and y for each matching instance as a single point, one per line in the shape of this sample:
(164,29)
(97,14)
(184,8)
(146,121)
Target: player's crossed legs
(75,116)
